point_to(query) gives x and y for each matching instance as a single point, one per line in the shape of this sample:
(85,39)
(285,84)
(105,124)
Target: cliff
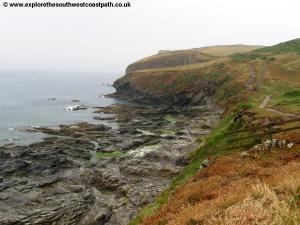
(186,77)
(243,172)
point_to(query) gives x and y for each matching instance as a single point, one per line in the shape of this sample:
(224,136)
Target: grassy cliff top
(227,50)
(231,78)
(188,57)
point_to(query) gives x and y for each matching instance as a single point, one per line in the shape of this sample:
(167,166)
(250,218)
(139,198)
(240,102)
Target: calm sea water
(26,100)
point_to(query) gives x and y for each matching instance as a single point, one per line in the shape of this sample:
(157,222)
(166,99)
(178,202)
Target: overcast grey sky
(109,39)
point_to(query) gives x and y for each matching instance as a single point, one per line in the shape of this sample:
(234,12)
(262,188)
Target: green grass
(245,105)
(291,66)
(184,81)
(292,94)
(247,56)
(214,75)
(283,96)
(290,102)
(244,57)
(114,154)
(228,91)
(285,47)
(214,145)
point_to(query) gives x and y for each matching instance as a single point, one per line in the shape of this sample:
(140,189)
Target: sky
(108,39)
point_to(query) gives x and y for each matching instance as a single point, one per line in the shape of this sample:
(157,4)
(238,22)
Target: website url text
(66,5)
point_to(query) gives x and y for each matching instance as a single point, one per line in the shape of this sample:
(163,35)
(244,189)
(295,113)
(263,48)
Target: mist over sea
(29,98)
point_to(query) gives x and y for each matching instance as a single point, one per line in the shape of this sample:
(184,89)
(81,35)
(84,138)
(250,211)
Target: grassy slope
(188,57)
(188,78)
(227,50)
(170,59)
(169,55)
(276,76)
(285,47)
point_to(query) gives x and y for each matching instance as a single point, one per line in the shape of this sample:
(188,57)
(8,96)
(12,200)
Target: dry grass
(286,68)
(238,192)
(262,206)
(218,50)
(185,68)
(226,50)
(174,54)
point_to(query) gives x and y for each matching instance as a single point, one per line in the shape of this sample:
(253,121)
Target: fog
(108,39)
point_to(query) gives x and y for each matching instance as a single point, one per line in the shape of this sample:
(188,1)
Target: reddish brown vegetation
(238,191)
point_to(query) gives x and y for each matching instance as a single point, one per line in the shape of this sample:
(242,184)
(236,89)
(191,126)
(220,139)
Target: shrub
(292,94)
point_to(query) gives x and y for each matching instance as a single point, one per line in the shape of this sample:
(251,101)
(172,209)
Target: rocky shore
(92,174)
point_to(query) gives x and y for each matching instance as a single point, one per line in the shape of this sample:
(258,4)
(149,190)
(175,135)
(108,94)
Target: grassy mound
(285,47)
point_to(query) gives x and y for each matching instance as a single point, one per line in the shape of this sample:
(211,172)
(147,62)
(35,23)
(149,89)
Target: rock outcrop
(187,77)
(89,174)
(199,92)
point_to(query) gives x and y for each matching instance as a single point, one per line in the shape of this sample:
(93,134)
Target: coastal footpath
(179,150)
(246,171)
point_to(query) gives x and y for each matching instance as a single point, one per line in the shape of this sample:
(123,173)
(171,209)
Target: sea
(40,98)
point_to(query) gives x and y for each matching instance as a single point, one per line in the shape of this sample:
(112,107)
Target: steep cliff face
(192,77)
(197,92)
(186,77)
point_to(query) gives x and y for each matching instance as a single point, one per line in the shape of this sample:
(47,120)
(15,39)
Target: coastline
(41,99)
(92,174)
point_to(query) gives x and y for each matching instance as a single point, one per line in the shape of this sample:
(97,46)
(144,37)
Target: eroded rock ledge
(199,93)
(93,174)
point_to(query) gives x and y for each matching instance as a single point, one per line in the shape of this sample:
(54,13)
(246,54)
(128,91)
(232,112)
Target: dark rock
(182,161)
(89,174)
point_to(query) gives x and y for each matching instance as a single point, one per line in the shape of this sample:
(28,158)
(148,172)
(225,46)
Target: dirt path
(252,82)
(264,104)
(256,76)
